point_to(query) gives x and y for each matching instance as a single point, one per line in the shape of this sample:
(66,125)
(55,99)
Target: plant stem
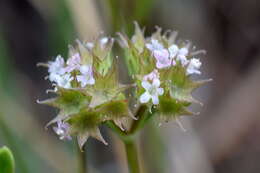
(132,156)
(82,161)
(128,137)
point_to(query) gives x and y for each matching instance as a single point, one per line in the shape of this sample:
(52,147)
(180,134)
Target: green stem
(132,156)
(82,161)
(128,137)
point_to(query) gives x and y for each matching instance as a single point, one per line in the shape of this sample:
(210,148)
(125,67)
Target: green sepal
(181,85)
(6,160)
(138,38)
(87,57)
(85,124)
(170,109)
(106,87)
(102,50)
(118,111)
(137,57)
(68,101)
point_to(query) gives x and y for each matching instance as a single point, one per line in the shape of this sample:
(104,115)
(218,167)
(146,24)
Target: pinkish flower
(151,76)
(163,59)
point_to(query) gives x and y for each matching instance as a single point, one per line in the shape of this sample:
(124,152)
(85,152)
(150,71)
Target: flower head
(62,129)
(152,91)
(193,67)
(86,77)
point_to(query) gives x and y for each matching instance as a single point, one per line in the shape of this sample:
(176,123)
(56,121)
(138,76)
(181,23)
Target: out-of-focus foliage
(6,160)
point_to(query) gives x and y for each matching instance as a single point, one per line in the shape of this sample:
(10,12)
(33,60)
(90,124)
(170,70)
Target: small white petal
(184,61)
(156,82)
(103,40)
(160,91)
(173,49)
(149,46)
(91,81)
(155,99)
(145,97)
(146,85)
(183,51)
(90,45)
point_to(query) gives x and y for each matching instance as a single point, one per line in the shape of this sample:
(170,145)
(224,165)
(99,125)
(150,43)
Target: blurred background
(224,138)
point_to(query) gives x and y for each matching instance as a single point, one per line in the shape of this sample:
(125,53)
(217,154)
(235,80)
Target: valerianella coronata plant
(89,94)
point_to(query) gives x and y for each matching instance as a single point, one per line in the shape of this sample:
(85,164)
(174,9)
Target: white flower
(173,49)
(152,91)
(154,45)
(73,62)
(180,54)
(103,40)
(62,130)
(86,77)
(90,45)
(193,67)
(64,80)
(56,68)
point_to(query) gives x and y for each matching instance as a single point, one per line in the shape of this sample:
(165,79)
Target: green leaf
(6,160)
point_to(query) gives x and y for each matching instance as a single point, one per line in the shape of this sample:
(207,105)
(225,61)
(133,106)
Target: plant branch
(132,156)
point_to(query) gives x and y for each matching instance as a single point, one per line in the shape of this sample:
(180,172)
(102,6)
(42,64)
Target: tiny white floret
(194,66)
(56,68)
(86,77)
(64,80)
(154,45)
(152,91)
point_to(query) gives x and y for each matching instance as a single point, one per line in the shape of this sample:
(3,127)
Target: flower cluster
(167,57)
(161,67)
(63,74)
(89,93)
